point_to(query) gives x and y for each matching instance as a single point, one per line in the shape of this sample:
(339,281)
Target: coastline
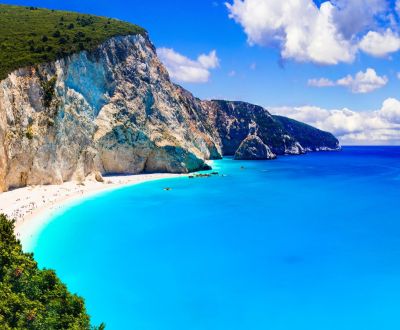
(31,207)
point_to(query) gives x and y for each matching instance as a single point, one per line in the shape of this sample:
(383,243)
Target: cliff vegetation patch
(48,91)
(30,35)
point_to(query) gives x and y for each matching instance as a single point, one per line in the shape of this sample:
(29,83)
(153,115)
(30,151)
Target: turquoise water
(310,242)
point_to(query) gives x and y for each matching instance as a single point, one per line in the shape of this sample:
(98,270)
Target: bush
(79,36)
(48,91)
(29,133)
(62,41)
(31,298)
(57,34)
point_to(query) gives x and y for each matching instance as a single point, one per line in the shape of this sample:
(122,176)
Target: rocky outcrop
(115,110)
(234,122)
(310,138)
(253,148)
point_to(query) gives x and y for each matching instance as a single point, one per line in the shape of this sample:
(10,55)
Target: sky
(333,64)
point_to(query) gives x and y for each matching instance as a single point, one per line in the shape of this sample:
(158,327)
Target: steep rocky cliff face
(115,110)
(310,138)
(247,131)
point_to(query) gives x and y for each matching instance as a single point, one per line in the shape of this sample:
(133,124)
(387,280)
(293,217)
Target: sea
(307,242)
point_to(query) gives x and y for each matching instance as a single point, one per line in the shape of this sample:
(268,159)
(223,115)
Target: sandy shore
(30,205)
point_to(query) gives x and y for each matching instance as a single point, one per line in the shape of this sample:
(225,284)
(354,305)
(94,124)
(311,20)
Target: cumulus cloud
(183,69)
(328,34)
(380,44)
(302,30)
(391,110)
(361,83)
(351,127)
(354,16)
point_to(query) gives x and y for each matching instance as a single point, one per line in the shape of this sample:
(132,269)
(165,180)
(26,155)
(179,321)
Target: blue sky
(252,64)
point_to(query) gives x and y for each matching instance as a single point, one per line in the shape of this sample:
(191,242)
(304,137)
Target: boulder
(253,148)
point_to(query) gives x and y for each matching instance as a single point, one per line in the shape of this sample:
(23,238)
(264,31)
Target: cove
(309,242)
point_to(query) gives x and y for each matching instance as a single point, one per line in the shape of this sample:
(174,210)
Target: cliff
(113,109)
(310,138)
(247,131)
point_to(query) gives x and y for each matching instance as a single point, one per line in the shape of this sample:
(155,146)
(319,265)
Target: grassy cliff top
(30,35)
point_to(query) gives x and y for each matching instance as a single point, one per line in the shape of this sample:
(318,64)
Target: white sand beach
(30,205)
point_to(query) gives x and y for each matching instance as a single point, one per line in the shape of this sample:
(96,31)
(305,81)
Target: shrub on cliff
(48,91)
(33,36)
(31,298)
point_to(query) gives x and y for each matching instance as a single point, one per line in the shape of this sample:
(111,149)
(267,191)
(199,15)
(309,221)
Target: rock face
(310,138)
(115,110)
(110,111)
(253,148)
(234,122)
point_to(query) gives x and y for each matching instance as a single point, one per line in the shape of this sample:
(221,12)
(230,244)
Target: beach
(29,206)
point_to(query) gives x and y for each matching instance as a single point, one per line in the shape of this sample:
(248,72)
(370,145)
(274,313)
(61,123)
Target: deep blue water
(300,243)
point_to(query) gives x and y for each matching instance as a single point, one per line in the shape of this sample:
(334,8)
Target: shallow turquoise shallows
(300,243)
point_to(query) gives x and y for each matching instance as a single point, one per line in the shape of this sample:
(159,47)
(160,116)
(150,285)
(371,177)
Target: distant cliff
(113,109)
(247,131)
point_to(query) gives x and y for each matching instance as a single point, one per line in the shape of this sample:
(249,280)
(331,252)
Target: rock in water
(253,148)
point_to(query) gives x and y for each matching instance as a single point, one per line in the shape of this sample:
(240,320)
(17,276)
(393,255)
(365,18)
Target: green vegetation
(308,136)
(31,298)
(30,36)
(48,89)
(29,132)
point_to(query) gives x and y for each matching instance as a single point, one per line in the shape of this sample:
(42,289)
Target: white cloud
(354,16)
(232,73)
(351,127)
(363,82)
(380,44)
(183,69)
(328,34)
(398,7)
(302,30)
(210,61)
(321,82)
(391,110)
